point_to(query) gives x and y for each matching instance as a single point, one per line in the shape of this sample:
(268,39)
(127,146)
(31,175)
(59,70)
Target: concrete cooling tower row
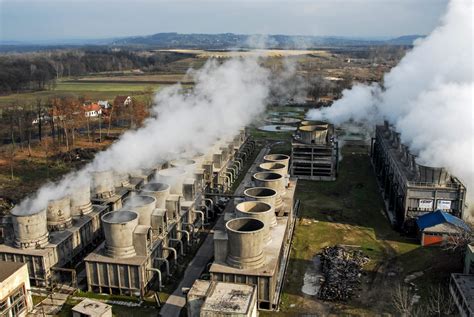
(252,238)
(155,224)
(410,187)
(314,151)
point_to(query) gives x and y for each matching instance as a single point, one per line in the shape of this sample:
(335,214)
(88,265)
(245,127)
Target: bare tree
(402,301)
(458,240)
(440,303)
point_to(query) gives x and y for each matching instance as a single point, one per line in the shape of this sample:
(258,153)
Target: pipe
(211,202)
(239,161)
(159,276)
(229,183)
(188,237)
(180,245)
(203,220)
(193,228)
(167,264)
(172,250)
(230,175)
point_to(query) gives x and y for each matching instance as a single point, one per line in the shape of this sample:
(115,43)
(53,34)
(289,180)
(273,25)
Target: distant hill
(231,40)
(223,41)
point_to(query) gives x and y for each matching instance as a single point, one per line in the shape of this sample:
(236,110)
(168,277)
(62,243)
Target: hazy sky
(65,19)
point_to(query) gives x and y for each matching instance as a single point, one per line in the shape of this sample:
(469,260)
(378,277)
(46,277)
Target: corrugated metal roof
(438,217)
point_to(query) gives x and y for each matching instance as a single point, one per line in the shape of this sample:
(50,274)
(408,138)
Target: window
(17,303)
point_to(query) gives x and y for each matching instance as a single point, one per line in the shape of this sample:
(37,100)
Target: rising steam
(427,97)
(226,97)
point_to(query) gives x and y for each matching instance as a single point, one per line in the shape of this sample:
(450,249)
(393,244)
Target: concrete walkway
(177,300)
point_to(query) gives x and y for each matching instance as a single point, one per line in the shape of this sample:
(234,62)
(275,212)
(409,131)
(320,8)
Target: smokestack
(118,229)
(143,206)
(81,201)
(58,214)
(173,177)
(158,190)
(103,184)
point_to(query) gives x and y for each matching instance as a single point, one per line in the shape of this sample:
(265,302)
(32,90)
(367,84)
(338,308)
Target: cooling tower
(30,230)
(274,167)
(103,184)
(313,134)
(58,214)
(81,201)
(318,123)
(158,190)
(258,210)
(265,194)
(432,175)
(173,177)
(274,181)
(118,229)
(143,206)
(278,158)
(245,243)
(121,180)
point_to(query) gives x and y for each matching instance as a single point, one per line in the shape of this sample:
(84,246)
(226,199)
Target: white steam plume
(226,97)
(427,97)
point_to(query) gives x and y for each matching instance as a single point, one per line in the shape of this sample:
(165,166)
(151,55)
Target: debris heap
(342,270)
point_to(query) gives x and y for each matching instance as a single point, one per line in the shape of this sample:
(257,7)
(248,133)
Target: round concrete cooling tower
(121,180)
(265,194)
(81,201)
(274,181)
(246,241)
(258,210)
(278,158)
(431,174)
(143,205)
(186,164)
(174,177)
(118,229)
(30,230)
(274,167)
(102,185)
(318,123)
(158,190)
(313,134)
(58,214)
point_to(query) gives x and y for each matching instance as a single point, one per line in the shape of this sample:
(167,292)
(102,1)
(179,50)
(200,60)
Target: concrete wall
(13,282)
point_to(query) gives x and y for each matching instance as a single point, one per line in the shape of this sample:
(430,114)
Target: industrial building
(252,242)
(314,151)
(411,189)
(147,236)
(91,308)
(15,296)
(461,288)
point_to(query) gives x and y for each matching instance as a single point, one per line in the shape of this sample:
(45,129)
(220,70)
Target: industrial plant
(409,187)
(315,151)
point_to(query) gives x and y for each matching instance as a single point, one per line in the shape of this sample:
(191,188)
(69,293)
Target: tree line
(40,70)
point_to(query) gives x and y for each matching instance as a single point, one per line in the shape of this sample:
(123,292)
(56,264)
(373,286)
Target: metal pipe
(211,203)
(159,276)
(230,175)
(203,220)
(167,265)
(240,162)
(172,250)
(180,245)
(193,228)
(188,237)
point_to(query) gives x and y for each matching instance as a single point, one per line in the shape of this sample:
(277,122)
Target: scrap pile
(342,271)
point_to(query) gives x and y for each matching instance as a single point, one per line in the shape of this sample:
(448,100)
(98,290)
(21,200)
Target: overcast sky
(25,20)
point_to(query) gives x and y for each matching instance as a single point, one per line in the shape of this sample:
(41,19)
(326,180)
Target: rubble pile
(342,269)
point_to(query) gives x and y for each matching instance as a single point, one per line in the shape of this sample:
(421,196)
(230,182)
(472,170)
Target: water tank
(30,229)
(103,184)
(118,229)
(274,181)
(58,214)
(245,243)
(173,177)
(312,134)
(158,190)
(278,158)
(143,205)
(258,210)
(432,175)
(274,167)
(81,201)
(264,194)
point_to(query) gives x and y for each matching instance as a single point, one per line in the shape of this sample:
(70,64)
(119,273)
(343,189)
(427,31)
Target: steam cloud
(226,97)
(427,97)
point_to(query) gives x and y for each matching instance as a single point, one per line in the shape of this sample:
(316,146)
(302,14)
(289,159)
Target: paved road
(177,300)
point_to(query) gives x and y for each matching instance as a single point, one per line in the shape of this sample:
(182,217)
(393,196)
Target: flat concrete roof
(98,255)
(91,307)
(7,269)
(229,298)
